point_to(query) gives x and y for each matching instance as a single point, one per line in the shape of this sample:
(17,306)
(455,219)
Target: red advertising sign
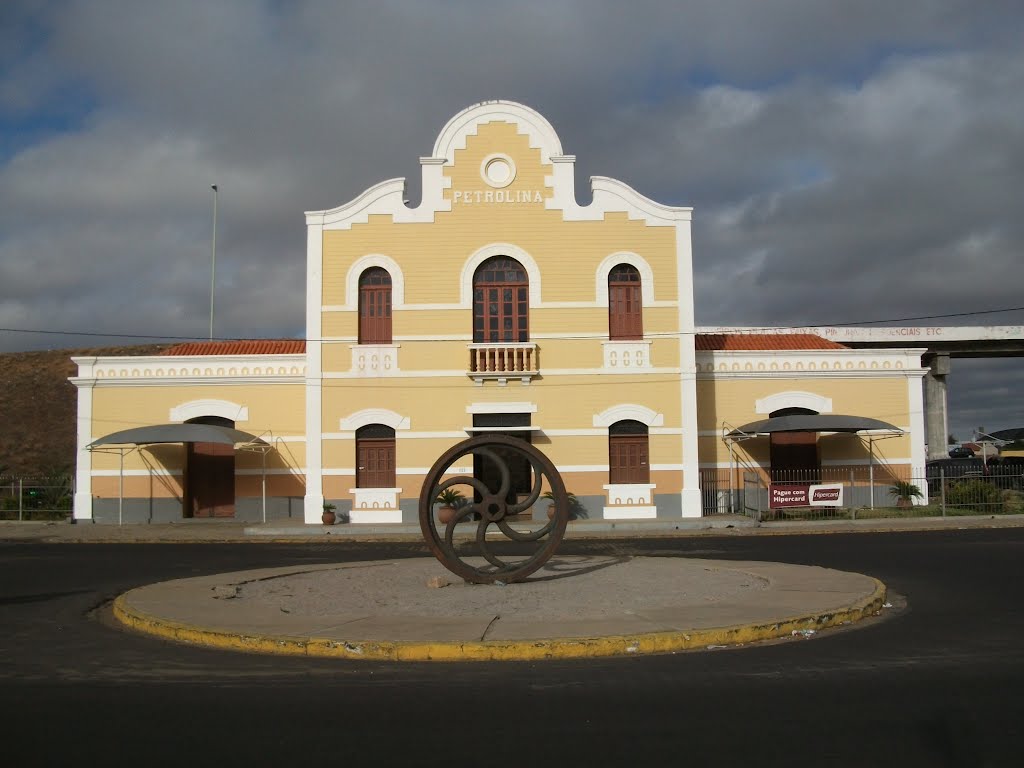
(789,495)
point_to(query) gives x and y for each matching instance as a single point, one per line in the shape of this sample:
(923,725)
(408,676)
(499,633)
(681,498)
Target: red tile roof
(242,347)
(708,342)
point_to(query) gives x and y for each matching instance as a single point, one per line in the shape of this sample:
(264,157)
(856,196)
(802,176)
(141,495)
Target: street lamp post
(213,257)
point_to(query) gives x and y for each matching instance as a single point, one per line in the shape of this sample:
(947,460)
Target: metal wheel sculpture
(490,510)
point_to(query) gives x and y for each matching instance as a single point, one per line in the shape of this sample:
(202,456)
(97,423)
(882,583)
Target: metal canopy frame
(873,429)
(128,440)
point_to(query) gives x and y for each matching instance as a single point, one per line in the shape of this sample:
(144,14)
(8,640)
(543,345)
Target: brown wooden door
(627,459)
(210,480)
(625,313)
(376,463)
(375,307)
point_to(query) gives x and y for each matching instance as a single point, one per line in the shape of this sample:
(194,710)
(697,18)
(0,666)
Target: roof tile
(239,347)
(710,342)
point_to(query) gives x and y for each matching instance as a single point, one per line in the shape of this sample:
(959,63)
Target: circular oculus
(498,170)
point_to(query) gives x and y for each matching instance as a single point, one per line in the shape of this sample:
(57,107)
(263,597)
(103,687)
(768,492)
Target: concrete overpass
(942,343)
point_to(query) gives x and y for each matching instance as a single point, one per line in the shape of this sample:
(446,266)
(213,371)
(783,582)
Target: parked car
(959,452)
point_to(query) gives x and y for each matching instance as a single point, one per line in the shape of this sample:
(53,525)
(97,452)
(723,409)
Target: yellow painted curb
(498,650)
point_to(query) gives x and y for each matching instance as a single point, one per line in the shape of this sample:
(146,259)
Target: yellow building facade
(496,305)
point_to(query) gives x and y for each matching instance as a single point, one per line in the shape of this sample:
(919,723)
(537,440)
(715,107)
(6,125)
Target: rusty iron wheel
(492,510)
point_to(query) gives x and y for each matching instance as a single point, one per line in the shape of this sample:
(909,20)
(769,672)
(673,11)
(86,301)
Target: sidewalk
(717,525)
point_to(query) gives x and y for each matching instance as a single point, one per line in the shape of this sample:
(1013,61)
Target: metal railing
(851,493)
(36,498)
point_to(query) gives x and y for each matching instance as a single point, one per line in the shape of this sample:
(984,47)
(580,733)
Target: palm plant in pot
(905,493)
(450,500)
(328,517)
(570,497)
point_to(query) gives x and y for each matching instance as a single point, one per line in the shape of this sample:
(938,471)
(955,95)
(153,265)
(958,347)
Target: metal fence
(36,498)
(851,493)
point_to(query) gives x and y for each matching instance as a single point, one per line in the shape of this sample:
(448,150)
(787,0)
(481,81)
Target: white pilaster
(314,499)
(690,501)
(82,509)
(915,398)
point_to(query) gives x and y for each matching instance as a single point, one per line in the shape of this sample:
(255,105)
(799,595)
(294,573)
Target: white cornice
(467,122)
(609,195)
(164,369)
(213,381)
(614,195)
(809,362)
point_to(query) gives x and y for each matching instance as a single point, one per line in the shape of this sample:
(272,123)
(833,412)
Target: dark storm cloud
(845,160)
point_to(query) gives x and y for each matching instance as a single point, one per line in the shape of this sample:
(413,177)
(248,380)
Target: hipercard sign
(796,495)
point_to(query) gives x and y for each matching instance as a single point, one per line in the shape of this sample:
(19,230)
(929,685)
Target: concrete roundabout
(574,607)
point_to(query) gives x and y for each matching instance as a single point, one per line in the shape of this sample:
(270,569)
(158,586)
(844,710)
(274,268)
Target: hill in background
(38,407)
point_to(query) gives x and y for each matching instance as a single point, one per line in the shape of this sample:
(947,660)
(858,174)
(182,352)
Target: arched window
(375,306)
(501,297)
(627,453)
(375,456)
(625,307)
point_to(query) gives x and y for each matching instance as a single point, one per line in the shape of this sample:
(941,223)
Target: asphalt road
(939,682)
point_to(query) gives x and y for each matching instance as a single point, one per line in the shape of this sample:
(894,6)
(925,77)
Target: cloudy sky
(847,161)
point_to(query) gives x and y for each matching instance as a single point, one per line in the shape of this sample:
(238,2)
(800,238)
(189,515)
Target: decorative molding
(387,198)
(625,257)
(793,399)
(373,360)
(370,261)
(626,356)
(374,416)
(629,494)
(481,255)
(501,408)
(224,409)
(498,170)
(629,412)
(231,369)
(808,363)
(375,500)
(466,123)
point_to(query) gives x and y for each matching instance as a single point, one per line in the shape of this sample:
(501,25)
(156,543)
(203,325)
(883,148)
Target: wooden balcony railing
(502,362)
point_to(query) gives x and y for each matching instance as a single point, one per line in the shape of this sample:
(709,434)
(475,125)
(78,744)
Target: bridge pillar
(936,422)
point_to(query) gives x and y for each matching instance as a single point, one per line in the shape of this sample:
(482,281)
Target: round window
(498,170)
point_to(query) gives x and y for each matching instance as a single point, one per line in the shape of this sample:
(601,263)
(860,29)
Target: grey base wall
(247,510)
(670,506)
(410,511)
(136,511)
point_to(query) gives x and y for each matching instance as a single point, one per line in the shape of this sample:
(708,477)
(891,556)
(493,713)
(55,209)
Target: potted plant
(905,493)
(328,517)
(570,497)
(450,499)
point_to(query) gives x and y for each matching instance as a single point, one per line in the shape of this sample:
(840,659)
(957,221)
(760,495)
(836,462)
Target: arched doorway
(794,455)
(210,474)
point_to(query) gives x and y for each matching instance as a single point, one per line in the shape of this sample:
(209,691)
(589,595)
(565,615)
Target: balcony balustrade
(501,362)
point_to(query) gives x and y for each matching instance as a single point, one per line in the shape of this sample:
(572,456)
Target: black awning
(177,433)
(1016,433)
(827,422)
